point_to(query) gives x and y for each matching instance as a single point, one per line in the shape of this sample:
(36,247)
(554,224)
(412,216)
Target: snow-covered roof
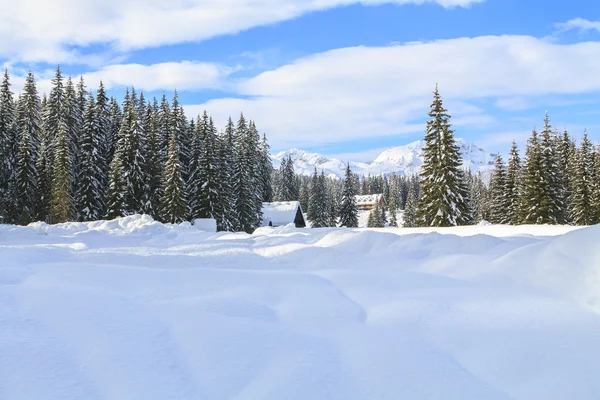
(280,212)
(368,199)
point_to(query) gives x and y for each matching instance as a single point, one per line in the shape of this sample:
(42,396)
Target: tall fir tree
(348,208)
(266,171)
(553,212)
(513,181)
(91,173)
(582,211)
(28,122)
(317,204)
(154,163)
(444,196)
(8,149)
(498,203)
(533,201)
(410,209)
(61,209)
(174,204)
(209,202)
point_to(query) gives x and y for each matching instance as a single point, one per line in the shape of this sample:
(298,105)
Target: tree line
(557,182)
(75,155)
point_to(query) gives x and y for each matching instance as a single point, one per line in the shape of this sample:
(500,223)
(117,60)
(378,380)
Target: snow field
(134,309)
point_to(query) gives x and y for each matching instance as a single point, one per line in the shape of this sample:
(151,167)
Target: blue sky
(342,77)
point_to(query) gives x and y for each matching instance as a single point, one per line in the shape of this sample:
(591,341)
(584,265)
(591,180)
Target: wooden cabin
(369,201)
(282,213)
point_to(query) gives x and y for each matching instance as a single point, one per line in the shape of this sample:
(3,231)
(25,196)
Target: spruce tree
(375,220)
(209,201)
(28,122)
(228,158)
(154,163)
(62,201)
(266,171)
(444,197)
(410,210)
(553,212)
(174,208)
(8,149)
(533,201)
(317,211)
(498,203)
(582,211)
(513,178)
(90,181)
(115,191)
(348,209)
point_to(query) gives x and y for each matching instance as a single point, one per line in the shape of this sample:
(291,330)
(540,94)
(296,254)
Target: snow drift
(134,309)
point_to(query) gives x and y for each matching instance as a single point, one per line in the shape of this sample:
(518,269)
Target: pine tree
(62,201)
(582,211)
(444,197)
(228,157)
(410,210)
(195,176)
(553,212)
(532,199)
(154,163)
(209,202)
(498,203)
(102,115)
(288,191)
(28,122)
(317,212)
(114,122)
(8,149)
(375,220)
(348,209)
(513,178)
(115,198)
(266,171)
(90,186)
(174,208)
(304,195)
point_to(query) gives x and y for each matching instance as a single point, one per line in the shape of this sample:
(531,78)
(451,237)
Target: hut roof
(368,200)
(280,212)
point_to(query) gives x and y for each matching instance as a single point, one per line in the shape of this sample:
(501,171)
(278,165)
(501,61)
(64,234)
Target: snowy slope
(405,159)
(133,309)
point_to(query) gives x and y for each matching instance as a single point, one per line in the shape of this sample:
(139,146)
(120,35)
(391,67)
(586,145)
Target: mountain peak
(404,160)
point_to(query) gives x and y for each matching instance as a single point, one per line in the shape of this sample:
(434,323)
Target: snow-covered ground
(133,309)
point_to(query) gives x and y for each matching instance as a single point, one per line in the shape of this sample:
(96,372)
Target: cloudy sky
(340,77)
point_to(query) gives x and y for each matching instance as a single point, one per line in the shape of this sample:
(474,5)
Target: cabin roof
(280,212)
(368,199)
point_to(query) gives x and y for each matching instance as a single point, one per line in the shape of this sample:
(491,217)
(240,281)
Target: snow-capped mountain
(405,159)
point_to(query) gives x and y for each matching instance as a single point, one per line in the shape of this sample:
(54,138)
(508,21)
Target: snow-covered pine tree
(304,195)
(8,149)
(115,191)
(73,120)
(410,209)
(563,149)
(582,211)
(180,128)
(195,176)
(43,186)
(266,171)
(553,211)
(533,201)
(154,163)
(375,219)
(209,201)
(130,147)
(174,203)
(28,125)
(348,209)
(498,203)
(444,196)
(115,118)
(513,178)
(596,187)
(317,213)
(227,147)
(90,187)
(332,207)
(102,114)
(61,208)
(164,123)
(287,191)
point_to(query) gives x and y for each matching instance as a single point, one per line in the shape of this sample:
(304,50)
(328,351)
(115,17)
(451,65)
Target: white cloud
(34,30)
(578,24)
(363,92)
(164,76)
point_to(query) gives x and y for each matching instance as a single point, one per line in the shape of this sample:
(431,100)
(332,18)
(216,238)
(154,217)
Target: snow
(206,224)
(280,212)
(135,309)
(368,199)
(404,160)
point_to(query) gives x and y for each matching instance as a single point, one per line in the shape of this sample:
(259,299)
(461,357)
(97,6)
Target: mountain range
(403,160)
